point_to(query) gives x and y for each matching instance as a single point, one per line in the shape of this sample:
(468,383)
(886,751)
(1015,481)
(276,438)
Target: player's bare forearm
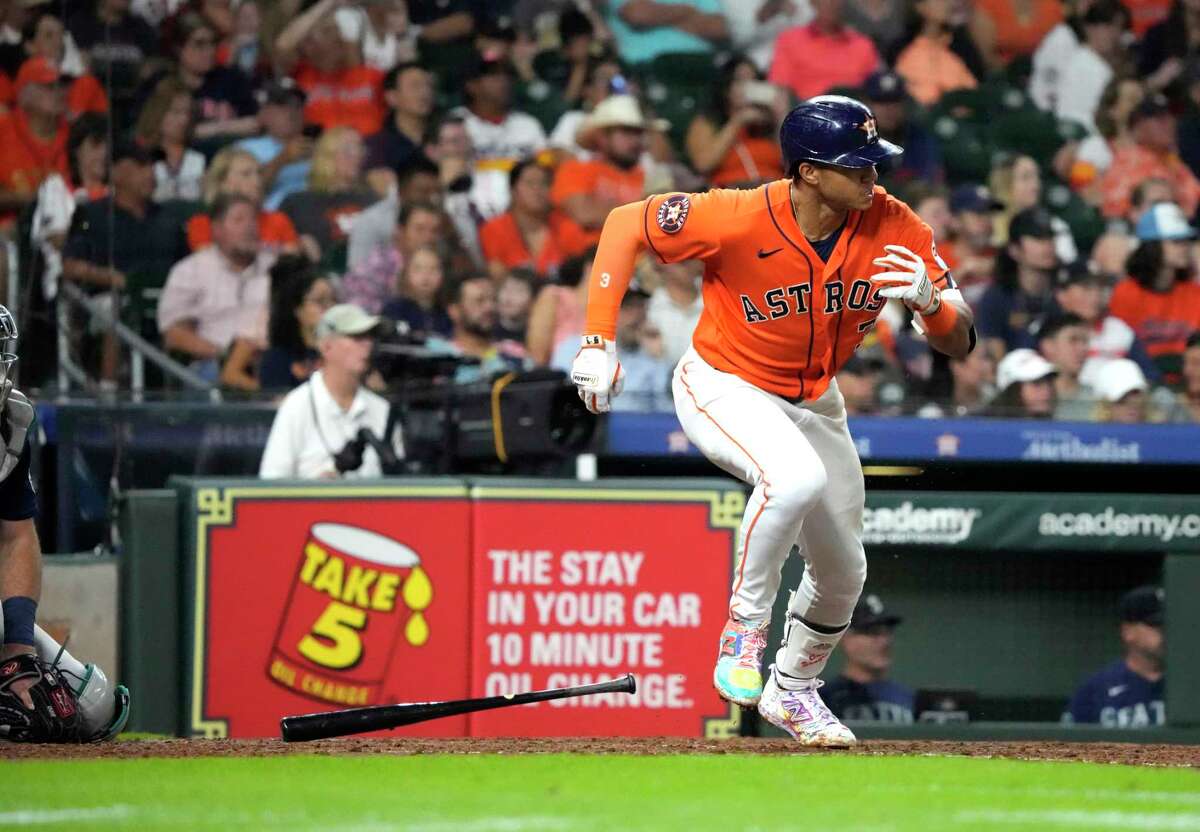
(20,560)
(621,242)
(957,342)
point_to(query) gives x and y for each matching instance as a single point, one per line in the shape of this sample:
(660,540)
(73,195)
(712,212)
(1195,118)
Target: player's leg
(835,569)
(747,433)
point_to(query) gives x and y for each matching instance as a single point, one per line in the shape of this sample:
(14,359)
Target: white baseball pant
(808,491)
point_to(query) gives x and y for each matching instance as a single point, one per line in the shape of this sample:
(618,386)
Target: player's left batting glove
(907,280)
(597,373)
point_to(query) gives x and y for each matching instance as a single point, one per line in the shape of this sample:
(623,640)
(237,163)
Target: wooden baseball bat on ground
(329,724)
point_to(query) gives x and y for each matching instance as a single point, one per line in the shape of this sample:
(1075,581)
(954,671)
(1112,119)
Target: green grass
(513,793)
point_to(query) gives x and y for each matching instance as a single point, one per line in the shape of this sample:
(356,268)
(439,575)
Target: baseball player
(46,694)
(1130,692)
(863,691)
(796,272)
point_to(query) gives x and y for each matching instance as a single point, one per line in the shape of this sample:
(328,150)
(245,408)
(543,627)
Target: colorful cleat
(803,714)
(738,675)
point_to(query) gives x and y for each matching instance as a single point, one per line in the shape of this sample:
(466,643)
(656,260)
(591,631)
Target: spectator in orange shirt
(341,91)
(33,137)
(1160,299)
(735,143)
(45,37)
(1009,29)
(927,64)
(1151,154)
(530,233)
(809,60)
(587,190)
(236,171)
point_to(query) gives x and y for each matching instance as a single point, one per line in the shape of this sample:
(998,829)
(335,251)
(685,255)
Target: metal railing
(141,350)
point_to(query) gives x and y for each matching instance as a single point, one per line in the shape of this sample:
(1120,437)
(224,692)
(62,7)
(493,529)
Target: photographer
(332,426)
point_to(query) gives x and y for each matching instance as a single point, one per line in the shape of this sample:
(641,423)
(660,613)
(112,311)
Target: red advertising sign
(315,599)
(573,586)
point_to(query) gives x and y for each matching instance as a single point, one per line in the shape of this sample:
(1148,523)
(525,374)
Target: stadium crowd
(219,173)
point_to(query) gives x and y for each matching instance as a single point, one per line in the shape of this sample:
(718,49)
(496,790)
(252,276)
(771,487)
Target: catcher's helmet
(8,354)
(833,130)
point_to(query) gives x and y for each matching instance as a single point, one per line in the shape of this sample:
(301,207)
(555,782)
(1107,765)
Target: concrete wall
(79,604)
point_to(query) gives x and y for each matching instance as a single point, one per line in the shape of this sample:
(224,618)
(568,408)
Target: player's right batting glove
(597,373)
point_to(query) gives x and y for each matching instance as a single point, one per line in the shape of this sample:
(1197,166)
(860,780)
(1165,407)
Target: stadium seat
(1085,221)
(966,152)
(680,70)
(1030,131)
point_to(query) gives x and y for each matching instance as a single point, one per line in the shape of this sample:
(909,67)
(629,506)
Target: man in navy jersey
(1129,692)
(862,691)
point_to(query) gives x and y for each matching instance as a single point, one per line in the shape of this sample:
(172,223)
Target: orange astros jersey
(774,314)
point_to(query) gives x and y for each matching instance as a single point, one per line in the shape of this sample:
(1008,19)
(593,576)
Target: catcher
(46,694)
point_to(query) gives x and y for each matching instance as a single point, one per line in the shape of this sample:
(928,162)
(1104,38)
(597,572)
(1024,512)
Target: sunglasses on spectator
(202,42)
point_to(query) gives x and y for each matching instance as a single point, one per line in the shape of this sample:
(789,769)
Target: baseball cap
(346,319)
(1022,365)
(496,28)
(1075,273)
(487,63)
(885,86)
(282,92)
(1032,222)
(1164,221)
(35,71)
(1154,104)
(974,198)
(1118,378)
(870,612)
(1143,605)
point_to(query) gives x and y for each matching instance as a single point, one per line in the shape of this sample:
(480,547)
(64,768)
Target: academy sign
(909,524)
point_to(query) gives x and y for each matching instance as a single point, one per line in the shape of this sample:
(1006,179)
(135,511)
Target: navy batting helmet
(833,130)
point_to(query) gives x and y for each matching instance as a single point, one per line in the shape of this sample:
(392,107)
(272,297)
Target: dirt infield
(1125,753)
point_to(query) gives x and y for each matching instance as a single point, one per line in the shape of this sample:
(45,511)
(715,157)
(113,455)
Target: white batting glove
(908,280)
(598,373)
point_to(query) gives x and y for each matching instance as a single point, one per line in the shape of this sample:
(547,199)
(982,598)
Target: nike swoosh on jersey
(762,255)
(1117,690)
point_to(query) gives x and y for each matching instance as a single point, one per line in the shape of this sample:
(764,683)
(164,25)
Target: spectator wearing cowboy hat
(586,190)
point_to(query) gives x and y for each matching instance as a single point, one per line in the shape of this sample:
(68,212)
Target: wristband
(941,321)
(20,613)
